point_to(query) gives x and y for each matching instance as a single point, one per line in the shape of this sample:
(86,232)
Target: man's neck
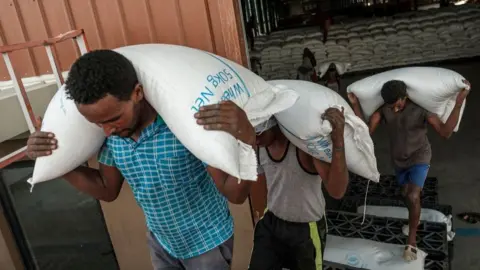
(147,116)
(280,141)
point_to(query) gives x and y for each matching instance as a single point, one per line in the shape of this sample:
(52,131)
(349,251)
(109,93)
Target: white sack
(303,126)
(368,254)
(178,80)
(430,215)
(434,89)
(78,139)
(341,67)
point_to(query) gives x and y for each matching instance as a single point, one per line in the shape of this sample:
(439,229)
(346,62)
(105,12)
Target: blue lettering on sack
(317,145)
(235,86)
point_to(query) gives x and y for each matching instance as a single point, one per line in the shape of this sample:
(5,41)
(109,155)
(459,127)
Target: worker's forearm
(89,181)
(338,175)
(452,121)
(236,192)
(358,111)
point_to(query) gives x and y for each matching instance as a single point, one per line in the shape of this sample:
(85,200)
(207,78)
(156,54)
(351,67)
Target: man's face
(332,73)
(399,105)
(116,117)
(266,138)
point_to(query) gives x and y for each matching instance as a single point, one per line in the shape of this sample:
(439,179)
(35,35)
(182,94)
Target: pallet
(429,265)
(432,236)
(352,204)
(336,266)
(430,186)
(389,188)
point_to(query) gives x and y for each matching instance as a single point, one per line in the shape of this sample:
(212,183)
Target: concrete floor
(454,162)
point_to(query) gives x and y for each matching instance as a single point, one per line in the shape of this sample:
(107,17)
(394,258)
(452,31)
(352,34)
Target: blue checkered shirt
(182,205)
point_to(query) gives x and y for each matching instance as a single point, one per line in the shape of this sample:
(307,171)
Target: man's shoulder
(162,137)
(414,107)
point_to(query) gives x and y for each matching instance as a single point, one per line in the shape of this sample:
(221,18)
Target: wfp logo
(319,147)
(353,259)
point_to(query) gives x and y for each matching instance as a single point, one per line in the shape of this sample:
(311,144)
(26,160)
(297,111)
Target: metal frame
(12,218)
(80,40)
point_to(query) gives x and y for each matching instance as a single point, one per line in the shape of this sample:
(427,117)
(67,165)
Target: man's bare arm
(229,186)
(335,175)
(103,184)
(446,130)
(374,121)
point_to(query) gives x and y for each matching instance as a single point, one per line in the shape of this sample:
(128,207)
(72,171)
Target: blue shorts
(416,174)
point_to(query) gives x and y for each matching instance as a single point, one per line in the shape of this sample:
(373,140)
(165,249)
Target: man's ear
(137,94)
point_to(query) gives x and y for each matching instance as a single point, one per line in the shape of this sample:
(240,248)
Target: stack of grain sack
(281,52)
(405,39)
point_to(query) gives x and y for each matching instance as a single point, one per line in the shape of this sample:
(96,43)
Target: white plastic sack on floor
(303,126)
(341,68)
(367,254)
(78,139)
(179,80)
(434,89)
(430,215)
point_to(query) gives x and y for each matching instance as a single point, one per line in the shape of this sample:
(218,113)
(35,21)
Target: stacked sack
(405,39)
(281,53)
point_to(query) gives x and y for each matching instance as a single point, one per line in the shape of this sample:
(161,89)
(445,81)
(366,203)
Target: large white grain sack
(430,215)
(368,254)
(303,126)
(78,139)
(434,89)
(179,80)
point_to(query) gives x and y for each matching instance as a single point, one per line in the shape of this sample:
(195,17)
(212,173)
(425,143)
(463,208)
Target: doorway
(55,226)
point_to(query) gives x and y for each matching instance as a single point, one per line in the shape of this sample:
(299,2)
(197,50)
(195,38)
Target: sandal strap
(411,248)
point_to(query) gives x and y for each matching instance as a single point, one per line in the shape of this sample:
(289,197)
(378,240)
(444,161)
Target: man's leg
(267,249)
(417,175)
(161,260)
(308,244)
(414,208)
(218,258)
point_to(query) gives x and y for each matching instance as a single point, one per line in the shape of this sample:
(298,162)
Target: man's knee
(413,197)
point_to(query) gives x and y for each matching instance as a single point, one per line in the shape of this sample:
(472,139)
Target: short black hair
(393,91)
(99,73)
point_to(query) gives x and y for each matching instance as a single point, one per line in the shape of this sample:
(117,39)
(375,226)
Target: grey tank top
(408,135)
(294,194)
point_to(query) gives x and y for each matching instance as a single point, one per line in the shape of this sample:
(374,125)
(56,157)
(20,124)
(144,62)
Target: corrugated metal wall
(211,25)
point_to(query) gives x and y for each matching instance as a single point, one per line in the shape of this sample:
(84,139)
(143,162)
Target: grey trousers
(219,258)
